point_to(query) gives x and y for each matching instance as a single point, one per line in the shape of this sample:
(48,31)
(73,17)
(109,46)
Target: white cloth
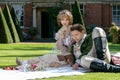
(50,72)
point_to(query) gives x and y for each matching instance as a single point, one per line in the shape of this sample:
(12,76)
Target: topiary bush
(10,24)
(77,15)
(16,23)
(5,35)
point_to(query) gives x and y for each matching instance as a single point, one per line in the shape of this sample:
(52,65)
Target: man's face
(76,35)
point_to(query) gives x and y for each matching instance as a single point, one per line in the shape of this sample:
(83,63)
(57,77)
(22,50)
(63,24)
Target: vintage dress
(64,45)
(48,58)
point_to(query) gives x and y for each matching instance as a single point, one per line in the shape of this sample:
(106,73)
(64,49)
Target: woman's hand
(75,66)
(63,32)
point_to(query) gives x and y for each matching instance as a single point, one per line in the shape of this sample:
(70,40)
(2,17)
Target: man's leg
(98,65)
(101,44)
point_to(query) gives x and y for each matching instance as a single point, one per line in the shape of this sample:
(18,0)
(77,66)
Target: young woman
(65,20)
(63,43)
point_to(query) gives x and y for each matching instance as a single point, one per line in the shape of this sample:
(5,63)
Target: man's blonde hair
(64,14)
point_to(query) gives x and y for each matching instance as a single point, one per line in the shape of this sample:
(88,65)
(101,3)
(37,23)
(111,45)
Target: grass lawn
(8,52)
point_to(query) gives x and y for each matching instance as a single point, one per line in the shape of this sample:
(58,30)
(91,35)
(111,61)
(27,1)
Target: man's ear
(83,31)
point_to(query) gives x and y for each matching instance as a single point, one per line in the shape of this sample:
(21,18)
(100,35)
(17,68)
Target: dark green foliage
(11,25)
(33,31)
(77,15)
(90,28)
(53,12)
(5,35)
(16,23)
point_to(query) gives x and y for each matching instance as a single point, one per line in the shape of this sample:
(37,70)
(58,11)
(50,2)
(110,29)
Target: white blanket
(49,72)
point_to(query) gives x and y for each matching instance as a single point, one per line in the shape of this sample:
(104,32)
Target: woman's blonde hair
(64,14)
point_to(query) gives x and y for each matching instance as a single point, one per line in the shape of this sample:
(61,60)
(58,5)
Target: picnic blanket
(49,72)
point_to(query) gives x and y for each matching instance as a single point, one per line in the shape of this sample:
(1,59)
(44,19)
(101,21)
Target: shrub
(10,23)
(114,34)
(5,35)
(77,15)
(33,31)
(17,25)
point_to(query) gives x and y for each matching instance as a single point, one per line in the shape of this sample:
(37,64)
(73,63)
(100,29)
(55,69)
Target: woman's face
(76,35)
(64,22)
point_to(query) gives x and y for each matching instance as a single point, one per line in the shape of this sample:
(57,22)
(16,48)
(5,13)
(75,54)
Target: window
(19,10)
(116,14)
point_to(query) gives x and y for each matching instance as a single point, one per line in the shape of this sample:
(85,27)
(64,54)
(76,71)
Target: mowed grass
(8,53)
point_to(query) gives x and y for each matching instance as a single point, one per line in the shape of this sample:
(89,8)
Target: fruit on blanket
(9,68)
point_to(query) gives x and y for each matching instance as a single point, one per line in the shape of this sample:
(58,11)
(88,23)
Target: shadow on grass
(22,55)
(7,65)
(30,48)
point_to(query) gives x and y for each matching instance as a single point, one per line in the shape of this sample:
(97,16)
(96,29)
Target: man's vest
(86,46)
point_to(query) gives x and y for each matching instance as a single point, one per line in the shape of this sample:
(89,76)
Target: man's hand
(75,66)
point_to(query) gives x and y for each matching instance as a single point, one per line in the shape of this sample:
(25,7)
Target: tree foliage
(53,11)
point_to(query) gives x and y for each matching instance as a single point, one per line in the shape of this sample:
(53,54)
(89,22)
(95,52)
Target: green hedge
(5,35)
(11,25)
(77,15)
(16,23)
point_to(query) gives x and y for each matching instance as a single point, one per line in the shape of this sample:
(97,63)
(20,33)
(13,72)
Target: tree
(53,11)
(11,25)
(77,15)
(5,35)
(16,23)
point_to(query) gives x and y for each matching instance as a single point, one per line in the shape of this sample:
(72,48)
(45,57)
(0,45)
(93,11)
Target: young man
(91,51)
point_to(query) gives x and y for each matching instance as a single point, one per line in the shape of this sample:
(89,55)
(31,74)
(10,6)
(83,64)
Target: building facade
(33,13)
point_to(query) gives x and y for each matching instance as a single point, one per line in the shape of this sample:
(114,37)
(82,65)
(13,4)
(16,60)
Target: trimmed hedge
(5,35)
(11,25)
(16,23)
(77,15)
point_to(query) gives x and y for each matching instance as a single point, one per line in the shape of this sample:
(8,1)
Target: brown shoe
(19,62)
